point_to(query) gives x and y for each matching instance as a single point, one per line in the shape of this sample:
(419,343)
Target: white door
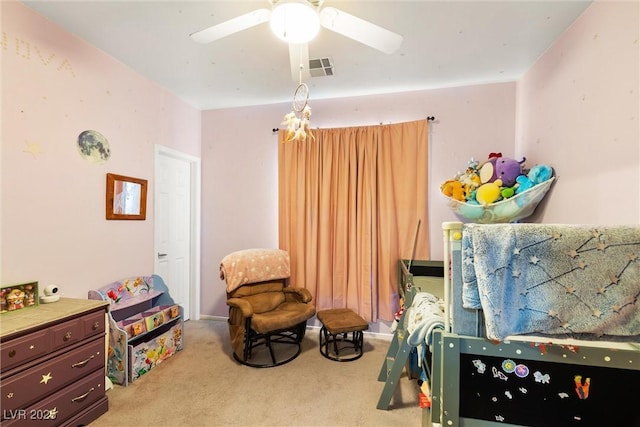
(176,227)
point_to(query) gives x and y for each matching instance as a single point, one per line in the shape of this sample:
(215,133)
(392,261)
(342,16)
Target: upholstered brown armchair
(263,311)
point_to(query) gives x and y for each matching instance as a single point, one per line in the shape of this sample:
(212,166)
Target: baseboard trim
(209,317)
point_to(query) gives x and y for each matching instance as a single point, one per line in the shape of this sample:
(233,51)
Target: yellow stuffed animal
(489,192)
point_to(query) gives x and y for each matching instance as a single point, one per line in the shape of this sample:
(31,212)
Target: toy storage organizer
(145,326)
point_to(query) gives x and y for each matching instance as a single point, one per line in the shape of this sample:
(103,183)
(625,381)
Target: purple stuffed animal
(507,170)
(502,168)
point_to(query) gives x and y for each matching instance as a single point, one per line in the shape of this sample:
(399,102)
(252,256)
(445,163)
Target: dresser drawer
(94,324)
(64,404)
(21,350)
(76,330)
(43,379)
(67,333)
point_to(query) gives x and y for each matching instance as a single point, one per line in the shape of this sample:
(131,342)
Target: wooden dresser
(52,364)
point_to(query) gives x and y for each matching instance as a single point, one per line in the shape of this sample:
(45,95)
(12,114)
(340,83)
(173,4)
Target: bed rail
(452,234)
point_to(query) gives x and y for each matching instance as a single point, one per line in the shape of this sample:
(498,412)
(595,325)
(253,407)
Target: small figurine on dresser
(15,299)
(19,296)
(30,295)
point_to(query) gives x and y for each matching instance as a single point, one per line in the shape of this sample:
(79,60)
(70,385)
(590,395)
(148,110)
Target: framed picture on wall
(126,197)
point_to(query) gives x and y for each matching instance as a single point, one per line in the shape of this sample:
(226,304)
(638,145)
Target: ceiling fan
(297,22)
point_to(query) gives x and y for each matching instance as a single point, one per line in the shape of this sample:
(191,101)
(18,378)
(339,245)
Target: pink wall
(54,86)
(239,161)
(578,110)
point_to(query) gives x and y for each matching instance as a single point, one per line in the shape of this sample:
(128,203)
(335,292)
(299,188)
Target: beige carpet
(204,386)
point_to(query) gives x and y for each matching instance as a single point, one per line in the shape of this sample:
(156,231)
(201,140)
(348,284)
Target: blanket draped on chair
(253,266)
(551,279)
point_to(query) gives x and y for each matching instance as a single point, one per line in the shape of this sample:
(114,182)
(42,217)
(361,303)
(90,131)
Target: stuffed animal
(536,175)
(489,192)
(523,183)
(507,192)
(453,188)
(507,170)
(540,173)
(487,170)
(504,168)
(470,181)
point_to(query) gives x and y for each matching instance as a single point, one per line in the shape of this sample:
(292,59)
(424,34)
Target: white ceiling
(446,43)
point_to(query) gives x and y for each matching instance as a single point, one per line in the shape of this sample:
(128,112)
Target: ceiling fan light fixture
(295,21)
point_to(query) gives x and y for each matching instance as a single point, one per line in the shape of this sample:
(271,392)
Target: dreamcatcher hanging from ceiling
(297,121)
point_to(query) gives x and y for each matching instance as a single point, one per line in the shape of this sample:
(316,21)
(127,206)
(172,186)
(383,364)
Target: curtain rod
(429,118)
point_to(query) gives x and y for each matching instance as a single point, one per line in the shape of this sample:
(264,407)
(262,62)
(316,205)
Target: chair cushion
(287,315)
(267,301)
(257,288)
(341,320)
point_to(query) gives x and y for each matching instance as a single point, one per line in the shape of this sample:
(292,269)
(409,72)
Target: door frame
(194,233)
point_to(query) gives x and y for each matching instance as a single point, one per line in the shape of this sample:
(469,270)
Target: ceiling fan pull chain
(300,66)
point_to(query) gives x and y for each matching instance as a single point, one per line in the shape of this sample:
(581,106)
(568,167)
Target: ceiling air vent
(321,67)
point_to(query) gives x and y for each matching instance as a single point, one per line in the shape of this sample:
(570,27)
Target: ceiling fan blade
(232,26)
(299,58)
(360,30)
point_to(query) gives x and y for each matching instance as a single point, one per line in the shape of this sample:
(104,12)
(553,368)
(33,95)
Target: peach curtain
(350,201)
